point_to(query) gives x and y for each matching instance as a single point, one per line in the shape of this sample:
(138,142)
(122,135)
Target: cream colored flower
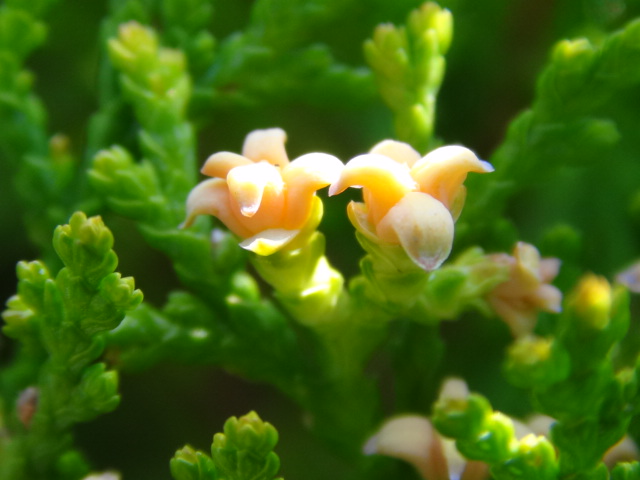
(261,196)
(413,438)
(409,200)
(527,291)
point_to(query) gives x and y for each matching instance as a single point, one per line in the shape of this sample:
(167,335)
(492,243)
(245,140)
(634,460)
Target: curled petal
(423,226)
(399,151)
(413,439)
(549,298)
(249,183)
(266,145)
(315,169)
(359,217)
(527,265)
(220,164)
(211,197)
(624,451)
(442,172)
(549,268)
(303,177)
(269,241)
(386,180)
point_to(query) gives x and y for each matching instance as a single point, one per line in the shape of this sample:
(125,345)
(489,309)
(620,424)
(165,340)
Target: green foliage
(488,436)
(243,452)
(626,471)
(409,66)
(348,342)
(567,125)
(58,320)
(573,379)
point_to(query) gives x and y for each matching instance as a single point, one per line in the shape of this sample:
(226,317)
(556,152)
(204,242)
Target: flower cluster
(260,195)
(528,290)
(414,439)
(271,203)
(410,200)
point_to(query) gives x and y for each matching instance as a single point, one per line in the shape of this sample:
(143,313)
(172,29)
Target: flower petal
(630,277)
(549,268)
(399,151)
(211,197)
(527,265)
(423,226)
(220,164)
(266,145)
(442,172)
(303,177)
(413,439)
(548,298)
(269,241)
(386,181)
(248,184)
(359,217)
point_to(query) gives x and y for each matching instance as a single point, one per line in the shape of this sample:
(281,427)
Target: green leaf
(245,450)
(190,464)
(626,471)
(408,63)
(20,32)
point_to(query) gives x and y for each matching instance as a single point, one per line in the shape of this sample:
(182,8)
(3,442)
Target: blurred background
(498,49)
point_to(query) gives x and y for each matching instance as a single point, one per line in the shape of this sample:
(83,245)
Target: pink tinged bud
(27,405)
(442,172)
(527,290)
(266,145)
(423,226)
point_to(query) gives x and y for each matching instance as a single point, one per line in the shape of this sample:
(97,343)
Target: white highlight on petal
(269,241)
(423,226)
(266,145)
(248,183)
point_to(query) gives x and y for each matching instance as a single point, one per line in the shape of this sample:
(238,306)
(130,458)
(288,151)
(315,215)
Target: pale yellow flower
(260,196)
(409,200)
(527,291)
